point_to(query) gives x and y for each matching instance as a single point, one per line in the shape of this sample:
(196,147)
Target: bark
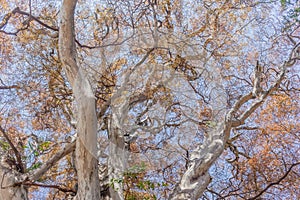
(86,143)
(117,162)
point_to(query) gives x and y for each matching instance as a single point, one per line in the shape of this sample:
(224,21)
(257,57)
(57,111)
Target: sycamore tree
(149,99)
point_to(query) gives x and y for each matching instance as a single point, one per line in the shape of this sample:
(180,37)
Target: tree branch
(276,182)
(17,10)
(36,174)
(260,99)
(4,87)
(62,189)
(7,17)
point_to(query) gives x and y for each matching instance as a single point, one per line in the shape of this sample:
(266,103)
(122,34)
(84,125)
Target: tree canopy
(149,99)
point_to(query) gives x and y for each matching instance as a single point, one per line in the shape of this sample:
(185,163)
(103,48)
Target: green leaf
(211,124)
(34,166)
(36,153)
(45,145)
(137,168)
(297,10)
(283,3)
(4,145)
(152,186)
(164,184)
(141,185)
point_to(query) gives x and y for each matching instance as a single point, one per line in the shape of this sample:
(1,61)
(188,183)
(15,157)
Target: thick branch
(67,47)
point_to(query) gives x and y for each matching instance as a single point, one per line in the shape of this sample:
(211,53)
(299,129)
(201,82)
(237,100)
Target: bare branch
(86,143)
(276,182)
(17,10)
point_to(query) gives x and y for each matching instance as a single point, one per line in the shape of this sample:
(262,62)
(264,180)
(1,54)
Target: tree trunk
(8,190)
(117,162)
(118,147)
(86,144)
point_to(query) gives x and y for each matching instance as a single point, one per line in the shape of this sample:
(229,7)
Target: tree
(149,99)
